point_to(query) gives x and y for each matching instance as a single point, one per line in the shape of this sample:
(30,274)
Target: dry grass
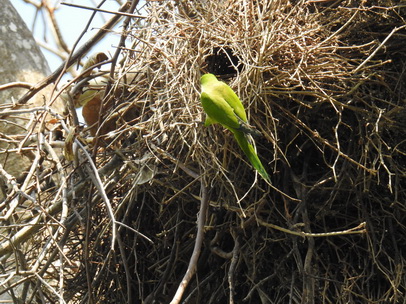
(324,83)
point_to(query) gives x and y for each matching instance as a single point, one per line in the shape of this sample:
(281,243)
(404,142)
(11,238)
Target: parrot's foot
(247,129)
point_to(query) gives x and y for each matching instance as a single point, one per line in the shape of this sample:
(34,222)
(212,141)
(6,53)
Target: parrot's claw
(246,128)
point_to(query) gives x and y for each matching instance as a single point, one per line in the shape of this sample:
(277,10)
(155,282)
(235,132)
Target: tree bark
(21,61)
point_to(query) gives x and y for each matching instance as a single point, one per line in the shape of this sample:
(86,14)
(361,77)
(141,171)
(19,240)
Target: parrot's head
(206,78)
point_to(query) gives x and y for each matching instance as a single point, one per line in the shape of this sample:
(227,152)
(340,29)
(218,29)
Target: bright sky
(72,21)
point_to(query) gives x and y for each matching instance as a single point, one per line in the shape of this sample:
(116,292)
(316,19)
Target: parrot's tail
(250,152)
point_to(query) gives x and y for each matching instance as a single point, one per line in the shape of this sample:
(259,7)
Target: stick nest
(324,82)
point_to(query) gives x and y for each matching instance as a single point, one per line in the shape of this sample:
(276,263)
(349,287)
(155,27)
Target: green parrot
(223,106)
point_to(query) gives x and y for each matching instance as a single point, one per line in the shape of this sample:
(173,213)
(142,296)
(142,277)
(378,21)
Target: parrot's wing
(219,110)
(232,99)
(209,121)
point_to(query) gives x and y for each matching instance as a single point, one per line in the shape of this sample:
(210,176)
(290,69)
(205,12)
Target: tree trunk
(21,61)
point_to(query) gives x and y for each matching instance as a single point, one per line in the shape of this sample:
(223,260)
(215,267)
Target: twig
(17,84)
(196,250)
(233,264)
(379,47)
(107,90)
(94,175)
(103,10)
(12,181)
(56,30)
(360,229)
